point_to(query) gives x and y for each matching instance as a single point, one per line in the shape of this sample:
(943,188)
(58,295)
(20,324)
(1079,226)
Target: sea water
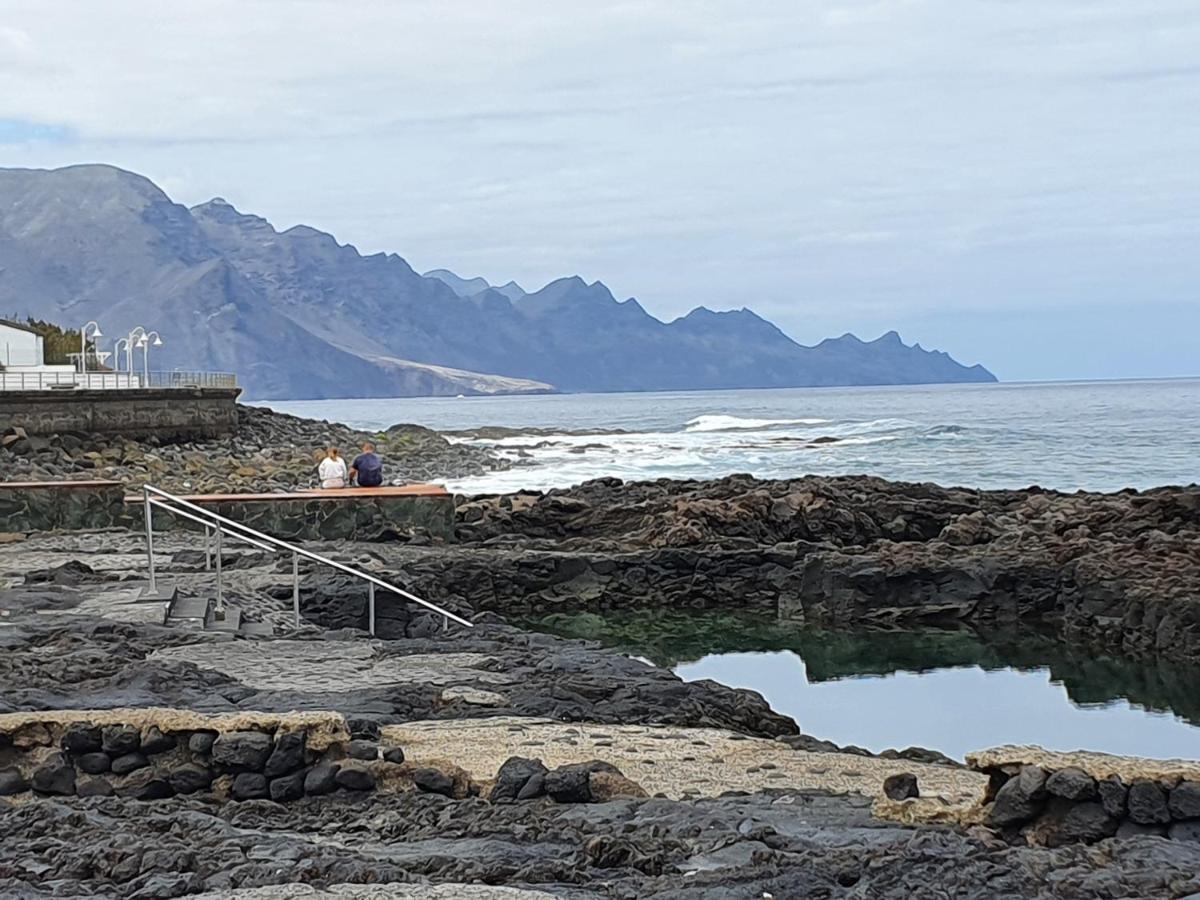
(1100,436)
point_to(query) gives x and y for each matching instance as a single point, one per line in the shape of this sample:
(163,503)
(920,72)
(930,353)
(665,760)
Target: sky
(1013,182)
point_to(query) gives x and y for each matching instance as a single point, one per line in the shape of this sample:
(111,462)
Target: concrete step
(165,592)
(188,612)
(231,623)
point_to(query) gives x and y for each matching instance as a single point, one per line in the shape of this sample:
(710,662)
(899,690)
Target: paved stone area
(389,891)
(330,666)
(678,762)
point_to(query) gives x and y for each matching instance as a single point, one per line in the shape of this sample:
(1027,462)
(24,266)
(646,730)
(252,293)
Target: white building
(23,365)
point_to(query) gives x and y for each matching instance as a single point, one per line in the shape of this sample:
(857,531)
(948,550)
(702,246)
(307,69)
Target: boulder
(1184,801)
(1148,803)
(242,751)
(94,763)
(901,787)
(1129,829)
(1070,822)
(362,749)
(1071,784)
(513,775)
(189,779)
(321,779)
(433,781)
(288,754)
(80,739)
(117,740)
(1113,796)
(534,787)
(355,779)
(12,782)
(571,783)
(130,762)
(201,742)
(1185,831)
(250,786)
(154,741)
(605,786)
(1020,799)
(394,755)
(288,787)
(55,776)
(145,784)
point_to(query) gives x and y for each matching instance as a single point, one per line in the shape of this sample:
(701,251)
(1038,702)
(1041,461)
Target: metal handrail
(245,533)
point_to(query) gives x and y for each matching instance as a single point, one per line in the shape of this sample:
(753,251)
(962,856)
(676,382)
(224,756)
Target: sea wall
(369,514)
(61,505)
(156,754)
(173,414)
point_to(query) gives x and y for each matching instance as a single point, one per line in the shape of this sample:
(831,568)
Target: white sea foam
(737,423)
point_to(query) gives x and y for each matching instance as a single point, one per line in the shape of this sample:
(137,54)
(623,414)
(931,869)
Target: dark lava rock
(901,787)
(534,787)
(433,781)
(154,741)
(569,784)
(1185,831)
(56,776)
(363,729)
(1184,802)
(355,779)
(1071,784)
(1020,798)
(201,742)
(361,749)
(189,779)
(288,755)
(514,775)
(118,740)
(1113,796)
(12,782)
(394,755)
(93,787)
(321,779)
(250,786)
(1068,822)
(151,788)
(245,751)
(288,787)
(94,763)
(1129,829)
(130,762)
(1148,803)
(80,739)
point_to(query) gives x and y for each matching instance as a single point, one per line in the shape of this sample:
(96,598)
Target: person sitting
(367,468)
(332,470)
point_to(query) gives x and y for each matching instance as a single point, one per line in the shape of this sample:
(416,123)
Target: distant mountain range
(296,314)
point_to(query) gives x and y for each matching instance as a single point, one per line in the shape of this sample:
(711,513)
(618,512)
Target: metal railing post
(220,588)
(207,549)
(371,608)
(148,512)
(296,587)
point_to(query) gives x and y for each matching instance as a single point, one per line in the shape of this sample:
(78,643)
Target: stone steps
(200,614)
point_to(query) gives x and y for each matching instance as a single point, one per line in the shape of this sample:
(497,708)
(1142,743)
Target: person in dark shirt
(367,468)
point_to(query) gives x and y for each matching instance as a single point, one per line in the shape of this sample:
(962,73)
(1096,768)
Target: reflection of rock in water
(672,639)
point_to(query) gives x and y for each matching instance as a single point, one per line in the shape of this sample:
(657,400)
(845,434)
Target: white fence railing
(109,381)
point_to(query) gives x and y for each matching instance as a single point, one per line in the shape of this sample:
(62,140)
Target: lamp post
(130,342)
(117,352)
(83,339)
(145,343)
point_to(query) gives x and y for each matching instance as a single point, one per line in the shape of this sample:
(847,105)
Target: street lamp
(83,339)
(131,342)
(145,343)
(117,352)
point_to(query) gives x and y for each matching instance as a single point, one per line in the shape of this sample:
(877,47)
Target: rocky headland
(144,758)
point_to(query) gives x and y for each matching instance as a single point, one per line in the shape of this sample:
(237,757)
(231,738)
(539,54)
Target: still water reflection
(952,691)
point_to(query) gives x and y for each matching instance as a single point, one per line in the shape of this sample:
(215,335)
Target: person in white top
(332,470)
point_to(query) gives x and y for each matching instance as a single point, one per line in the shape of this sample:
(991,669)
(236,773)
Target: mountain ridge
(298,314)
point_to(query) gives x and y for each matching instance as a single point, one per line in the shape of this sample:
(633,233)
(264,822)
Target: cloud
(838,165)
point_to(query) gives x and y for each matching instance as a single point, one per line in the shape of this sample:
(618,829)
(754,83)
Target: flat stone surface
(669,760)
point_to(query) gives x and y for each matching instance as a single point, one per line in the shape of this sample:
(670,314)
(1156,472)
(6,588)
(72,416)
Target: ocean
(1100,436)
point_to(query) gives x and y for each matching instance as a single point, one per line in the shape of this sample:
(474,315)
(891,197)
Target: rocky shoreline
(146,760)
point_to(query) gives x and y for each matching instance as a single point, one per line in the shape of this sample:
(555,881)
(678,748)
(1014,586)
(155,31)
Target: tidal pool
(952,691)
